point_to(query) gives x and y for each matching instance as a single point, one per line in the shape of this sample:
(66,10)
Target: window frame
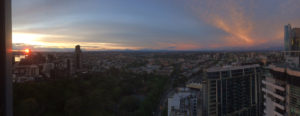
(6,108)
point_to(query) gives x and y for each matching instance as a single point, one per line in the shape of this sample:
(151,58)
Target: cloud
(157,24)
(247,23)
(228,16)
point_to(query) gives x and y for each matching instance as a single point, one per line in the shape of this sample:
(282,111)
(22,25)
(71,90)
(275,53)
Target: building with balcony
(281,91)
(232,91)
(280,83)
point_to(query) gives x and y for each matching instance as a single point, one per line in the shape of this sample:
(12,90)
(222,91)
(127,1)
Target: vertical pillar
(5,58)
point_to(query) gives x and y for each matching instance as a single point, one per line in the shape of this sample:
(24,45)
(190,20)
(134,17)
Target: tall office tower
(287,37)
(291,40)
(77,57)
(296,39)
(232,91)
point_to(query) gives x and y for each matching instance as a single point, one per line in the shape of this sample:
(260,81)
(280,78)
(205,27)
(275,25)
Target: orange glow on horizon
(37,40)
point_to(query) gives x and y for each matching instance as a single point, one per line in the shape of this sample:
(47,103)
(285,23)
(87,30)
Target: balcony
(273,85)
(273,94)
(279,106)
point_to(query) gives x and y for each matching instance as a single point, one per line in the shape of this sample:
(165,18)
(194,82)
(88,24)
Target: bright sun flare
(40,40)
(27,51)
(27,38)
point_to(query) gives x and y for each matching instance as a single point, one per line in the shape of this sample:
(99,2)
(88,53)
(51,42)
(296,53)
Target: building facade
(291,40)
(287,36)
(183,103)
(62,69)
(280,83)
(281,91)
(77,57)
(274,92)
(232,91)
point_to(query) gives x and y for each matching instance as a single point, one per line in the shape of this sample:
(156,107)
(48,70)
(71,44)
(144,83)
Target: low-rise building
(183,103)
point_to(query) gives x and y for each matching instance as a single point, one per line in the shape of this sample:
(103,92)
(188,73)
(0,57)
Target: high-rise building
(232,91)
(77,57)
(287,37)
(291,40)
(281,91)
(280,83)
(275,91)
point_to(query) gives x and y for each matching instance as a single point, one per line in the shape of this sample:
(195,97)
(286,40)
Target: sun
(27,51)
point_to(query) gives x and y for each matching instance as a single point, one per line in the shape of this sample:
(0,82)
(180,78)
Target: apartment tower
(232,91)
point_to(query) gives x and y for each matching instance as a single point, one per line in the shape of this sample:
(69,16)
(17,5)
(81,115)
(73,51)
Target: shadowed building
(183,103)
(62,69)
(291,40)
(281,90)
(77,58)
(232,91)
(287,37)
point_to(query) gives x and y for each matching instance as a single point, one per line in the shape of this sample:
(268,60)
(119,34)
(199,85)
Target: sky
(59,25)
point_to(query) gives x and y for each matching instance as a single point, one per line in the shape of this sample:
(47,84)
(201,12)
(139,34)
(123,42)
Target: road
(164,97)
(170,90)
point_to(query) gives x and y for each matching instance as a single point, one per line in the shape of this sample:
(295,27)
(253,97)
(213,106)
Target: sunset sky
(58,25)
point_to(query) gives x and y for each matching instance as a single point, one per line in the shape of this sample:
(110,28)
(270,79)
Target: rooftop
(226,68)
(293,71)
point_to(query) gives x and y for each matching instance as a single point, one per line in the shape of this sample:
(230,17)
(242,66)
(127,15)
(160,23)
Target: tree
(28,107)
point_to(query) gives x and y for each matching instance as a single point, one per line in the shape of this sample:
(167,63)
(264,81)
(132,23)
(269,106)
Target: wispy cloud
(155,24)
(230,17)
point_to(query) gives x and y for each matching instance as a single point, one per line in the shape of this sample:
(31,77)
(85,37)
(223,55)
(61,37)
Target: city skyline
(49,25)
